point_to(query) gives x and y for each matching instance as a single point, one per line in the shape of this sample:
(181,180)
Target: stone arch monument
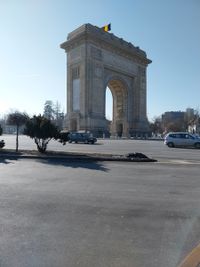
(96,60)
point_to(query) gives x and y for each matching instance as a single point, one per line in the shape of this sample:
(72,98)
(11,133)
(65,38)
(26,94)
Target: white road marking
(179,161)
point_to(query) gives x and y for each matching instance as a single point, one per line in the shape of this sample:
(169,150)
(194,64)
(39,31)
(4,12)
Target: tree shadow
(9,156)
(55,158)
(7,159)
(75,163)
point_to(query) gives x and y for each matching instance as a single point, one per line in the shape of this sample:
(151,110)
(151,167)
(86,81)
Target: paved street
(59,213)
(154,149)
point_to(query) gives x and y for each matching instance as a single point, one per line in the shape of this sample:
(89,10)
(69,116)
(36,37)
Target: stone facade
(97,59)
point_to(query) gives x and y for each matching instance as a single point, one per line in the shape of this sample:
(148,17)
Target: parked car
(184,139)
(86,138)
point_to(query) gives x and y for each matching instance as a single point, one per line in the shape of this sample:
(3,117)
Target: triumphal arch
(96,60)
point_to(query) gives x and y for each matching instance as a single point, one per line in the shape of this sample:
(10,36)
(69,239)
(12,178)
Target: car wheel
(92,142)
(170,144)
(197,145)
(70,141)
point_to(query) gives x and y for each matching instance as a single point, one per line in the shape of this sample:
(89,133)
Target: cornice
(109,41)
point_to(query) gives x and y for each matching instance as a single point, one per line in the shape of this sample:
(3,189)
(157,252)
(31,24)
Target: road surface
(60,213)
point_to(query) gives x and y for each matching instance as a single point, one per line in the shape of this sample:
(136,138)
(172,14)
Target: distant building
(173,116)
(172,120)
(181,121)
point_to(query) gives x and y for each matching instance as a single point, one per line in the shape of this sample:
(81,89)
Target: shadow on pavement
(7,160)
(75,163)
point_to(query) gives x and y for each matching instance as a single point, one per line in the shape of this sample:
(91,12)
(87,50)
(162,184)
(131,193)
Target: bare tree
(156,126)
(175,126)
(53,113)
(18,119)
(49,110)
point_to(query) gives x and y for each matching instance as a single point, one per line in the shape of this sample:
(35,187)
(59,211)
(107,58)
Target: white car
(183,139)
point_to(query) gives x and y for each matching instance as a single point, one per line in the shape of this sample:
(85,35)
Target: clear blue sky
(33,67)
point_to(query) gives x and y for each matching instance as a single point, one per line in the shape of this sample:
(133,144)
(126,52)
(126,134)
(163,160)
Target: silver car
(184,139)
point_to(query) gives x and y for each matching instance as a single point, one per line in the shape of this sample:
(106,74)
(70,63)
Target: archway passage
(119,116)
(109,105)
(73,125)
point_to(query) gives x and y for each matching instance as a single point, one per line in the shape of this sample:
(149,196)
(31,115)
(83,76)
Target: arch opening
(109,104)
(73,125)
(116,100)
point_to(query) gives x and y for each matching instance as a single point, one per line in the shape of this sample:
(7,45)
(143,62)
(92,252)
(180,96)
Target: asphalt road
(103,214)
